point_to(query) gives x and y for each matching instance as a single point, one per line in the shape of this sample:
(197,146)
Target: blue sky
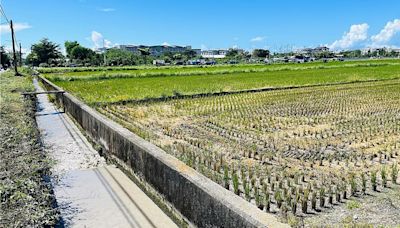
(248,24)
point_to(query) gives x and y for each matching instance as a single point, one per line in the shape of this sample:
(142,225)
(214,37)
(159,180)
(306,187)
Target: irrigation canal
(90,193)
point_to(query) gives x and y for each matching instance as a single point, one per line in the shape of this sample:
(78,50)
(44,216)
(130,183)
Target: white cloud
(98,39)
(356,34)
(108,43)
(166,44)
(387,33)
(25,51)
(8,49)
(5,28)
(235,46)
(107,10)
(203,47)
(258,39)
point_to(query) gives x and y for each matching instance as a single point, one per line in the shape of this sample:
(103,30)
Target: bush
(43,65)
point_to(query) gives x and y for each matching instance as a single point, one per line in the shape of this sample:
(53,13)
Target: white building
(157,50)
(214,54)
(313,51)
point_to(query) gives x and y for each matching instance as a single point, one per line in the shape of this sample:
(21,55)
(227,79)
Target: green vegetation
(352,204)
(4,58)
(26,199)
(44,53)
(297,146)
(96,73)
(137,86)
(306,148)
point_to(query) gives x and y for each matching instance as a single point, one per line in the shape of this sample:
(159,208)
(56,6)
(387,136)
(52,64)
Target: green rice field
(332,135)
(94,89)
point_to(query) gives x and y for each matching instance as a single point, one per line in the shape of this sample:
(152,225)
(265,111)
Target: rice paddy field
(291,151)
(165,82)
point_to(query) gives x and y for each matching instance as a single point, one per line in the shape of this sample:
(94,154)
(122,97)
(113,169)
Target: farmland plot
(95,91)
(293,151)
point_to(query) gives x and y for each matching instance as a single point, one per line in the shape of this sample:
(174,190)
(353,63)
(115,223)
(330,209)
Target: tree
(144,52)
(44,52)
(167,55)
(118,57)
(4,57)
(69,45)
(81,53)
(177,56)
(189,54)
(232,53)
(260,53)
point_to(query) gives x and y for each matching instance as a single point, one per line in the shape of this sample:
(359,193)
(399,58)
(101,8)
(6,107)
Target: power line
(4,14)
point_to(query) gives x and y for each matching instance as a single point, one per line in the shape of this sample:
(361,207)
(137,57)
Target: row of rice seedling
(289,152)
(120,89)
(96,74)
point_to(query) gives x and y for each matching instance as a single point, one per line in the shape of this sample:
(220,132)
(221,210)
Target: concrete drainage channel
(90,193)
(199,200)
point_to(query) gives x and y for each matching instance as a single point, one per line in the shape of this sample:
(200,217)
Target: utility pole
(104,54)
(13,45)
(20,55)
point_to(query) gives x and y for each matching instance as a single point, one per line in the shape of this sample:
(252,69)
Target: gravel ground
(377,209)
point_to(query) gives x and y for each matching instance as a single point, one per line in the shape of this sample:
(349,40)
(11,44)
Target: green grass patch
(118,89)
(352,204)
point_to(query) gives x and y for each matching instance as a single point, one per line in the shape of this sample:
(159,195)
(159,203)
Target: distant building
(101,50)
(157,50)
(313,51)
(215,54)
(381,49)
(197,51)
(159,62)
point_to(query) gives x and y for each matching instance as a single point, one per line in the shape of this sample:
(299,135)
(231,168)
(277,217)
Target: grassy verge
(26,199)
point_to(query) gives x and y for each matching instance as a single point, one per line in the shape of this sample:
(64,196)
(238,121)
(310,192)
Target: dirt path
(89,192)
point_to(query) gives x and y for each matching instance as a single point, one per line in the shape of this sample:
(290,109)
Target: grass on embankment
(114,90)
(26,199)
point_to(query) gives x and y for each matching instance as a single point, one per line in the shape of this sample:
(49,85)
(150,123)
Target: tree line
(46,53)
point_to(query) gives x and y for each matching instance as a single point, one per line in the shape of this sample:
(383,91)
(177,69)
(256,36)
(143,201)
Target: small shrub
(353,184)
(226,177)
(374,180)
(395,172)
(258,198)
(314,201)
(364,183)
(267,201)
(322,197)
(278,198)
(384,177)
(235,181)
(304,201)
(353,205)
